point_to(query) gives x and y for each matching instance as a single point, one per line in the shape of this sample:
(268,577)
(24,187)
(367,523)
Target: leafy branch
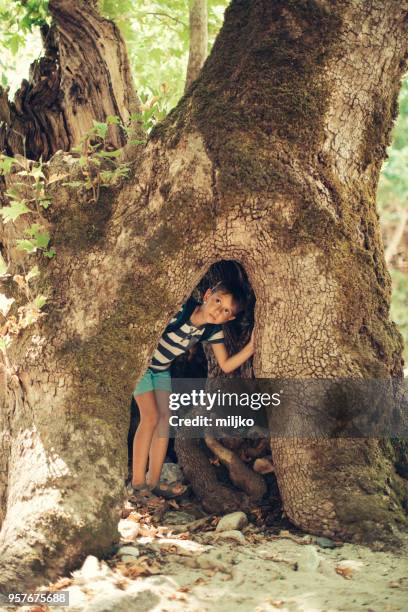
(25,196)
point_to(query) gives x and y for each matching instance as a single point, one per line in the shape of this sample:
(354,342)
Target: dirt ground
(177,560)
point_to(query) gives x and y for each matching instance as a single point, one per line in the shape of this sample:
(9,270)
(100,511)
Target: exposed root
(241,475)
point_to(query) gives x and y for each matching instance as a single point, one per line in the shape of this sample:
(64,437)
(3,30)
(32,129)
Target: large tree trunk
(272,159)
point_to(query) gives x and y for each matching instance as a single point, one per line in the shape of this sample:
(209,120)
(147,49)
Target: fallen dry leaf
(61,583)
(398,583)
(178,597)
(141,567)
(121,583)
(172,549)
(346,572)
(147,531)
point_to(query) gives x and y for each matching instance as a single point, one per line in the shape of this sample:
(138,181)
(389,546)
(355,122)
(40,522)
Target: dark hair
(237,291)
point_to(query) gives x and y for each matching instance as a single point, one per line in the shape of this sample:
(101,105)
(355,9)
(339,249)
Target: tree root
(214,496)
(241,475)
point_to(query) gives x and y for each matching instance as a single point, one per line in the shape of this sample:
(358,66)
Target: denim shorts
(152,381)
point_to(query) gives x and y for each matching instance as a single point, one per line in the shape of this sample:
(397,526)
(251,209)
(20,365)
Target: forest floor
(173,557)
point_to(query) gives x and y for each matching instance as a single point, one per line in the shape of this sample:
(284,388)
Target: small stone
(128,551)
(171,472)
(233,534)
(177,518)
(232,521)
(90,568)
(128,529)
(77,597)
(325,542)
(123,602)
(309,559)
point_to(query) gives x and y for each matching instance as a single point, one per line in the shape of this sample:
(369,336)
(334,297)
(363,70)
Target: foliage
(392,200)
(26,195)
(18,22)
(399,305)
(99,165)
(157,38)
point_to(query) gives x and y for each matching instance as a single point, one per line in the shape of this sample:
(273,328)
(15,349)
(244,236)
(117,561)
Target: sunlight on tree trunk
(271,159)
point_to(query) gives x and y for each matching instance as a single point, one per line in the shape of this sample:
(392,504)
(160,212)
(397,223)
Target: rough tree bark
(272,159)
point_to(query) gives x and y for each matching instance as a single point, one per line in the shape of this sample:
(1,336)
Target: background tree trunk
(198,21)
(272,159)
(83,76)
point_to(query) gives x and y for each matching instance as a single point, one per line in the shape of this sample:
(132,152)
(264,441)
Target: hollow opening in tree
(231,473)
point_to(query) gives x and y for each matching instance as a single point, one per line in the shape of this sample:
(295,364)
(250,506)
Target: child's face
(218,307)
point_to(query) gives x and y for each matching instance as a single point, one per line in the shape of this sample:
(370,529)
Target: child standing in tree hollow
(194,323)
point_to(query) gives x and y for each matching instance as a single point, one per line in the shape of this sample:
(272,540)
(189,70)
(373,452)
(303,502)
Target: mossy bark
(272,159)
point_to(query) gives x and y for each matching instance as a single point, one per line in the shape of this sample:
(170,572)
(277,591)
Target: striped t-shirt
(177,340)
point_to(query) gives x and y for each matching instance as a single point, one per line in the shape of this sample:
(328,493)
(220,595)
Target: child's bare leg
(149,416)
(160,440)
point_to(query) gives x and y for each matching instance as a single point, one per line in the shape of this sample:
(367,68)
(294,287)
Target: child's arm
(229,364)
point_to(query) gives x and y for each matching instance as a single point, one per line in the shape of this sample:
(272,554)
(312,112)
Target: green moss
(114,346)
(378,126)
(263,85)
(173,232)
(82,224)
(366,493)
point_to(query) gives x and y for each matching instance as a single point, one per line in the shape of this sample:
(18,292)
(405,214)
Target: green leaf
(113,120)
(14,192)
(74,184)
(39,301)
(40,237)
(32,273)
(101,129)
(50,253)
(13,43)
(3,266)
(33,229)
(114,153)
(11,213)
(36,172)
(26,245)
(6,164)
(45,202)
(42,240)
(5,342)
